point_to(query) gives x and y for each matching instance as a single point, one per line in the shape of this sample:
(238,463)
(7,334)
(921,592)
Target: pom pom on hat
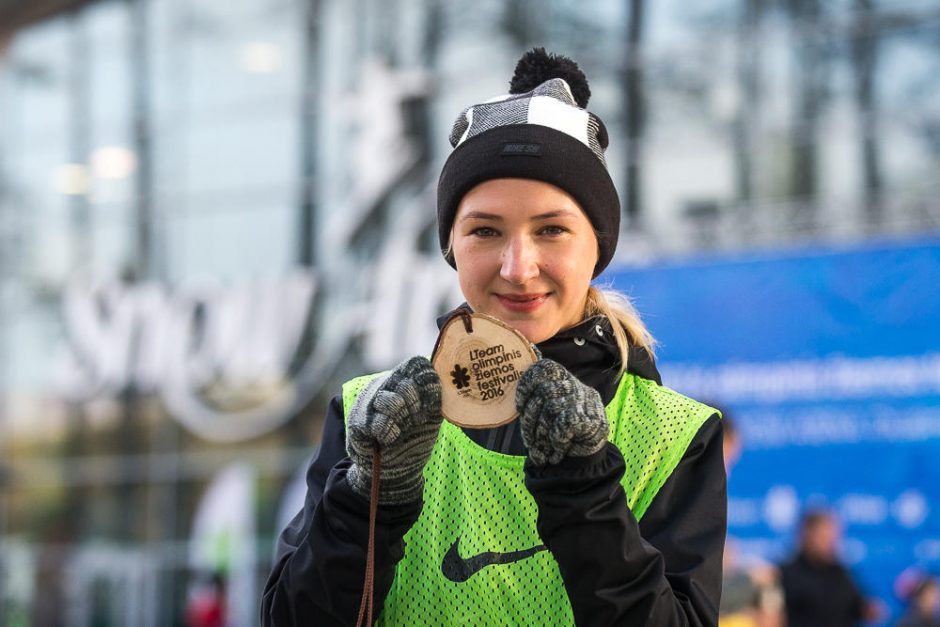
(537,66)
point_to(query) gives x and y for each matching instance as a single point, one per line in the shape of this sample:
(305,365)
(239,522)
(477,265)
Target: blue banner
(829,362)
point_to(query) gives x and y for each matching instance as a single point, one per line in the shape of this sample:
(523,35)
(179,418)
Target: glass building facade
(213,213)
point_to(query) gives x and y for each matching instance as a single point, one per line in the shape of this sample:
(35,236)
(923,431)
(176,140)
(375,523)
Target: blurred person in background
(603,503)
(923,602)
(818,589)
(731,445)
(208,605)
(750,587)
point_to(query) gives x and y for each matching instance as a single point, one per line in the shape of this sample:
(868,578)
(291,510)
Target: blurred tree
(864,42)
(635,105)
(747,118)
(309,107)
(147,260)
(808,26)
(433,32)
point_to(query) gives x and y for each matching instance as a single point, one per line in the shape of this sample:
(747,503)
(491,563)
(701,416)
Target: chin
(534,330)
(535,333)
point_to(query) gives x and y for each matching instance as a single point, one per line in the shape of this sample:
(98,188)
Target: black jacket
(818,594)
(664,570)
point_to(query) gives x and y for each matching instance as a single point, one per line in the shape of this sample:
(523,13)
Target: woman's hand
(559,416)
(402,414)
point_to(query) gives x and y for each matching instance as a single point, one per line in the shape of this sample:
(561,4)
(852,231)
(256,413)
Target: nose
(519,261)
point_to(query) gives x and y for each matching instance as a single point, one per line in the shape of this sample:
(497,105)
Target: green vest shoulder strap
(652,426)
(353,387)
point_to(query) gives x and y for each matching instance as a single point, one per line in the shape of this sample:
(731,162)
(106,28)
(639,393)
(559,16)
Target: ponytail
(623,318)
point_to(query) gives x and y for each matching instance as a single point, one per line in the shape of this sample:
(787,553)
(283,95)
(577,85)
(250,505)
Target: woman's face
(525,253)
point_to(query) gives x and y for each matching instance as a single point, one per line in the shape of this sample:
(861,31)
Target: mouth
(522,303)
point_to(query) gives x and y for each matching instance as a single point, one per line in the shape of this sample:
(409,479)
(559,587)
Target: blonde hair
(624,319)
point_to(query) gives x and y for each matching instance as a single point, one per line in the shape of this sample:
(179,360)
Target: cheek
(474,259)
(466,284)
(471,275)
(577,267)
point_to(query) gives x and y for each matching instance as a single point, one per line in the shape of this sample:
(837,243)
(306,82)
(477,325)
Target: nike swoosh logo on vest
(458,569)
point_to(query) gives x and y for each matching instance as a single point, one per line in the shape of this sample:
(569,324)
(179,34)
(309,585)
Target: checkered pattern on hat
(550,104)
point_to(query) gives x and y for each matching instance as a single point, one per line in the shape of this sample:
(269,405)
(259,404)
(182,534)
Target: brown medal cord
(366,606)
(368,588)
(464,314)
(467,320)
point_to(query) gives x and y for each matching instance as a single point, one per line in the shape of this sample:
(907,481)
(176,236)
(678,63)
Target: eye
(552,230)
(484,231)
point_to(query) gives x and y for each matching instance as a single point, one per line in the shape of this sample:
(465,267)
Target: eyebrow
(548,215)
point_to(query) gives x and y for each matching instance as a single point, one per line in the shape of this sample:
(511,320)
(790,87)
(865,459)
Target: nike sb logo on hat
(517,148)
(458,569)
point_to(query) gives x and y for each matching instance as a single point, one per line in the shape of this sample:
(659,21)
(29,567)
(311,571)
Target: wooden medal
(480,360)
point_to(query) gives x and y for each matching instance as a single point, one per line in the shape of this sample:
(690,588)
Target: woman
(604,503)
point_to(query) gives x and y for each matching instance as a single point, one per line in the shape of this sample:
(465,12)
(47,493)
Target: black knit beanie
(539,130)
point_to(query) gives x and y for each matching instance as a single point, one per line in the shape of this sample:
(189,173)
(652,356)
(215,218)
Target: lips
(522,303)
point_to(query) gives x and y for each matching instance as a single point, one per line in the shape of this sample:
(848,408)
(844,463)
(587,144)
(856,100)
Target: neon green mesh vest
(479,497)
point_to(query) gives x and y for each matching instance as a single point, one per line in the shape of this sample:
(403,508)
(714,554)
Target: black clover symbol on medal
(460,377)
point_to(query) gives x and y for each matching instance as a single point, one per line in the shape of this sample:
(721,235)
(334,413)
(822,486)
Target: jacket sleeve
(664,570)
(319,567)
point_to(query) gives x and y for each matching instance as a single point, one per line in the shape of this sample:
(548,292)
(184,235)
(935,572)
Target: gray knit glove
(402,412)
(558,415)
